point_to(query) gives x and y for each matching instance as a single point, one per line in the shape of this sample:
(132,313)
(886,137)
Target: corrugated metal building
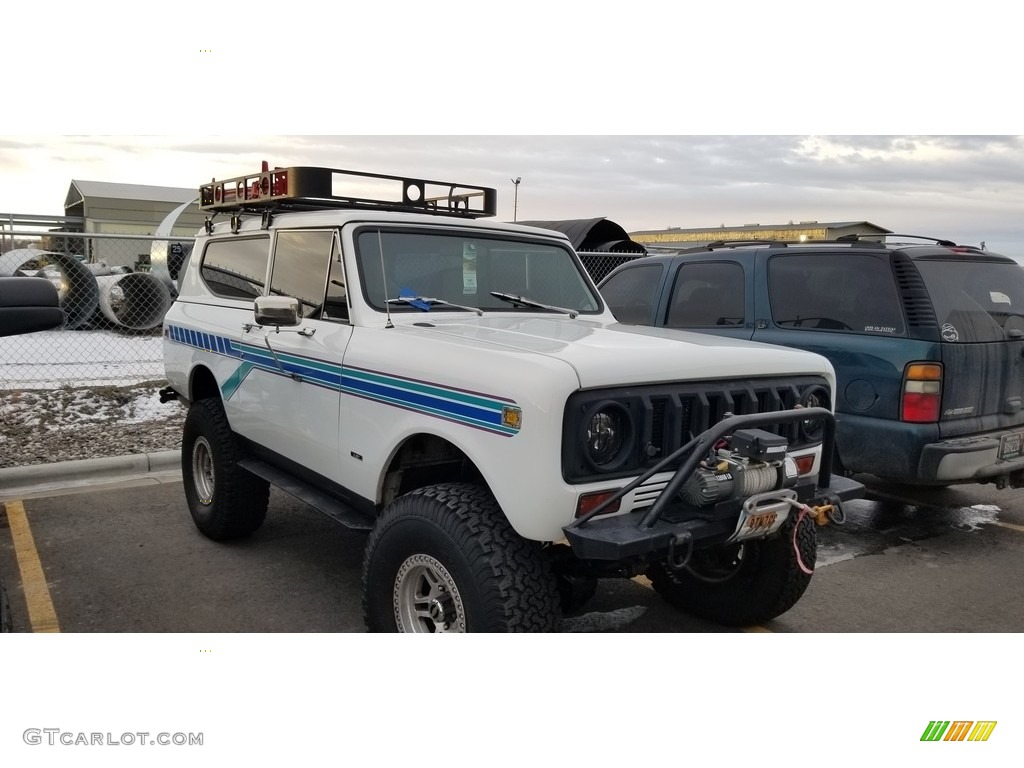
(129,209)
(677,237)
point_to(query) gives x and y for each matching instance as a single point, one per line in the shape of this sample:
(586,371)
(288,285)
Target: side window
(235,268)
(707,295)
(301,259)
(845,291)
(632,293)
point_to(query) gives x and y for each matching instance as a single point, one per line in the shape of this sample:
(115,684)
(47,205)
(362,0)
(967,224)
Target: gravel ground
(46,426)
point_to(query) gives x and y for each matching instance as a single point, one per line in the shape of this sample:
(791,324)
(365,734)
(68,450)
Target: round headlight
(813,430)
(607,436)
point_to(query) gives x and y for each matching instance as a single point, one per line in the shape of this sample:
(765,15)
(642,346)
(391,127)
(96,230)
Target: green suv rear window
(975,299)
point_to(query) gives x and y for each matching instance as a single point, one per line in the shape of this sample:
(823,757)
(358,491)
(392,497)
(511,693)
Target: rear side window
(631,294)
(235,268)
(976,299)
(844,291)
(707,295)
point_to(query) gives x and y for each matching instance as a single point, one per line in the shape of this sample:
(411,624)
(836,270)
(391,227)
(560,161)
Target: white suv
(458,388)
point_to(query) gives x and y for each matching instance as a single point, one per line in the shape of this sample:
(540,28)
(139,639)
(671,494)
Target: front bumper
(650,532)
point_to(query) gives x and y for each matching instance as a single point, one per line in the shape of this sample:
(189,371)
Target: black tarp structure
(592,235)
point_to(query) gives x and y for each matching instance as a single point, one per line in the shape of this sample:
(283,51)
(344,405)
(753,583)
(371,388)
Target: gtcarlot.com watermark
(56,737)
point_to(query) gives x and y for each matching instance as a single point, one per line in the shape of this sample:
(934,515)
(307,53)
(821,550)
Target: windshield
(462,271)
(975,300)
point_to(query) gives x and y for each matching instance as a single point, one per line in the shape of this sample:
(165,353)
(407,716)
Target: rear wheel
(743,584)
(226,501)
(445,559)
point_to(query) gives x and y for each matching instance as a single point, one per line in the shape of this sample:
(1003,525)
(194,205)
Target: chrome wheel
(202,470)
(426,598)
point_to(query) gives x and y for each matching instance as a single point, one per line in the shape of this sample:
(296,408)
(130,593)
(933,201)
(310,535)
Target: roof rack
(304,188)
(851,240)
(734,243)
(936,241)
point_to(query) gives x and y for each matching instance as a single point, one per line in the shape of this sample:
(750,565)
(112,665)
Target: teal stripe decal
(490,413)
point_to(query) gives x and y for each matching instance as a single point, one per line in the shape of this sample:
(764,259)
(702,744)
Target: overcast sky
(650,114)
(968,188)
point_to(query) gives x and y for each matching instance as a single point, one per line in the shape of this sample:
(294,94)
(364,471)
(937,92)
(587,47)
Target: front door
(292,396)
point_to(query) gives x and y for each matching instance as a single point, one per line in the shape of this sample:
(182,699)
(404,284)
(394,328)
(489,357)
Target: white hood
(614,355)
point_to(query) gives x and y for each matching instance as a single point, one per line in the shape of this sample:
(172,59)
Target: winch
(751,462)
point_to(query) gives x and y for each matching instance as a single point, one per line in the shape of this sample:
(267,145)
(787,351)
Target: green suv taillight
(922,393)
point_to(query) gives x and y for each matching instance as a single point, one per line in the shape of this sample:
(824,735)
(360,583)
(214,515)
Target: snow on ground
(82,394)
(78,359)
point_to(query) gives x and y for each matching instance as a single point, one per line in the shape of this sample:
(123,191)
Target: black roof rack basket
(308,188)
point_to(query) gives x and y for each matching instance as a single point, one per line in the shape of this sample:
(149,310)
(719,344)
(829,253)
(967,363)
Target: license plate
(761,522)
(1011,446)
(758,523)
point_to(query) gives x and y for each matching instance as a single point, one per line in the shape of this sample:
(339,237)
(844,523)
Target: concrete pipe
(136,300)
(76,285)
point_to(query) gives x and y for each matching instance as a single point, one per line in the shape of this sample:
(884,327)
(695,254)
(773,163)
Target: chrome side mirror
(280,311)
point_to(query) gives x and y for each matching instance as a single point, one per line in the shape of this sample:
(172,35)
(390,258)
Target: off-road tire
(766,582)
(226,501)
(455,536)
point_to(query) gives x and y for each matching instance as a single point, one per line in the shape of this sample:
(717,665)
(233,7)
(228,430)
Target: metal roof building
(130,209)
(107,208)
(677,237)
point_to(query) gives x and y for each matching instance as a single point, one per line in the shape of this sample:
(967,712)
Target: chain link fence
(599,264)
(89,389)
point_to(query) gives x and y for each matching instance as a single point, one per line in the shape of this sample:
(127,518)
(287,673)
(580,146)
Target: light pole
(515,199)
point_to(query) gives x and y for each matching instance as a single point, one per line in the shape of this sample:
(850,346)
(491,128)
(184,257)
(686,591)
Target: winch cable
(821,516)
(804,510)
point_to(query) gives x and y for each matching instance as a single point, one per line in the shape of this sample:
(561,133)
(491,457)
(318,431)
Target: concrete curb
(89,469)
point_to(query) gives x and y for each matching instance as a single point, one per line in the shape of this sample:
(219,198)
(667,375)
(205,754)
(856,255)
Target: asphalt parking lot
(123,556)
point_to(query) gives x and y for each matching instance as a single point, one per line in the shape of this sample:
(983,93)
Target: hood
(604,355)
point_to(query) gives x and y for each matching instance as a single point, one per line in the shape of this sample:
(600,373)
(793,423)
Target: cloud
(967,187)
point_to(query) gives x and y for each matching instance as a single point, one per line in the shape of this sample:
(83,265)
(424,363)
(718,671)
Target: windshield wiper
(424,303)
(522,301)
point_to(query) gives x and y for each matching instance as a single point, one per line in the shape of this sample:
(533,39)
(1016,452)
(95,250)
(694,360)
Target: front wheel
(445,559)
(743,584)
(226,501)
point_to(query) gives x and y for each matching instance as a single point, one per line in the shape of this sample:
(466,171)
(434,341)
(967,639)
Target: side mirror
(280,311)
(28,304)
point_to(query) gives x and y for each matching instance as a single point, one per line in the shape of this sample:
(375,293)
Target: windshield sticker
(469,268)
(949,333)
(879,329)
(999,298)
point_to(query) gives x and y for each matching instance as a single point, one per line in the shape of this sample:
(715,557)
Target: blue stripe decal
(472,409)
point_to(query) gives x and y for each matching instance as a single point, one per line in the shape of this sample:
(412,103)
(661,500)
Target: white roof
(81,189)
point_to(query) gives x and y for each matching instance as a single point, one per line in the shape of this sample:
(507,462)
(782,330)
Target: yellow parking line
(41,615)
(1009,525)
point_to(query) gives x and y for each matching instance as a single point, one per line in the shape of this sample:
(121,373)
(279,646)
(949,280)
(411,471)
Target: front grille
(666,417)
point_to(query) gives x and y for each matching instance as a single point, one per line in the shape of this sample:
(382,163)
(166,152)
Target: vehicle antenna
(384,279)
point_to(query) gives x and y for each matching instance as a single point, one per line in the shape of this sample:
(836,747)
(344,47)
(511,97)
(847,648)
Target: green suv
(927,340)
